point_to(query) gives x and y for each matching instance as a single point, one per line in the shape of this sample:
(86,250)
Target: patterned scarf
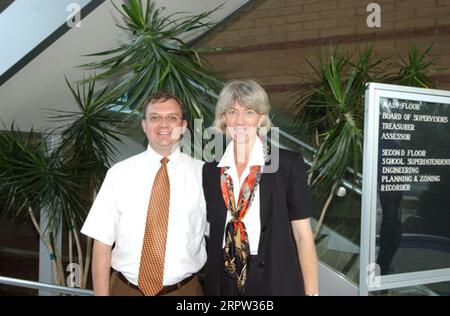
(237,251)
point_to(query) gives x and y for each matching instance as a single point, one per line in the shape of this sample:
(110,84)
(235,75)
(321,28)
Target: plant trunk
(316,134)
(59,265)
(87,262)
(48,245)
(70,247)
(324,210)
(79,250)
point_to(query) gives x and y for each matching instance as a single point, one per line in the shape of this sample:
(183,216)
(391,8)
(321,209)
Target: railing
(45,287)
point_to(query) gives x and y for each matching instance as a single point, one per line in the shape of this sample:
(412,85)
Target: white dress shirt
(251,220)
(119,214)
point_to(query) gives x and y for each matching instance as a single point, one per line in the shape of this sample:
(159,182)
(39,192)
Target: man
(151,207)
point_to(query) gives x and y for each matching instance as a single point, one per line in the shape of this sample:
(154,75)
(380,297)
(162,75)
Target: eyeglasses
(156,118)
(248,114)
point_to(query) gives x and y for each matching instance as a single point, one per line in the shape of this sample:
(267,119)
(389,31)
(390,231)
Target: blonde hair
(249,94)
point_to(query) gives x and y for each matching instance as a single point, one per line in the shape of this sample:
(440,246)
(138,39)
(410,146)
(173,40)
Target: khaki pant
(117,287)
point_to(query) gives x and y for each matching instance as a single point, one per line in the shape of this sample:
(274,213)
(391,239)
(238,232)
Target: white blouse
(251,220)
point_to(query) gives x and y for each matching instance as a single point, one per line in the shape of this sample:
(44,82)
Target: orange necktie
(151,268)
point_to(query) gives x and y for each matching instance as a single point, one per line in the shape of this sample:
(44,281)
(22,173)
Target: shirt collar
(174,157)
(256,155)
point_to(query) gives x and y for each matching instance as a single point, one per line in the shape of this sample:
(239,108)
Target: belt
(164,290)
(176,286)
(125,280)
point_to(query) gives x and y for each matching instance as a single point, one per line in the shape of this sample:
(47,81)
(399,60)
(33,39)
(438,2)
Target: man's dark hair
(162,96)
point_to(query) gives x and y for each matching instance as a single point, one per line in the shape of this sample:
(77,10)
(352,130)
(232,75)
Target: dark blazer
(284,197)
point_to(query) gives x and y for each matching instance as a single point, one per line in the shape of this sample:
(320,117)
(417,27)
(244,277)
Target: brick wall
(270,39)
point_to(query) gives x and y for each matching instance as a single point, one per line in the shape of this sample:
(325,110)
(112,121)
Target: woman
(260,239)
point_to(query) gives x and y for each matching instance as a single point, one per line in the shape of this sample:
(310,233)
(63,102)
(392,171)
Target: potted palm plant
(331,109)
(60,182)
